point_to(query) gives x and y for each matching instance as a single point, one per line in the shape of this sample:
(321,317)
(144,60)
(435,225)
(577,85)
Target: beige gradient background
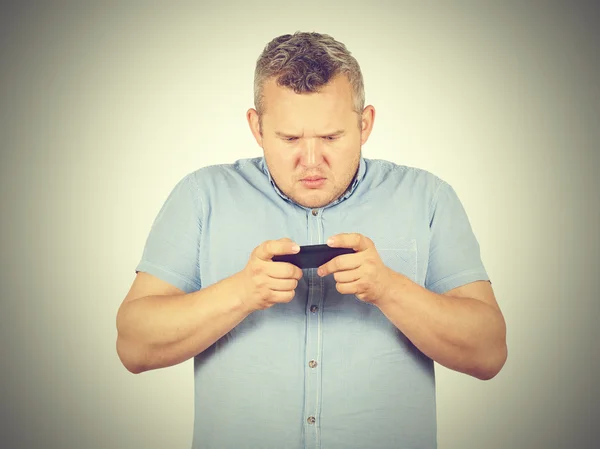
(104,107)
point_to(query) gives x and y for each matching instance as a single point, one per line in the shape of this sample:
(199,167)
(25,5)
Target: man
(335,357)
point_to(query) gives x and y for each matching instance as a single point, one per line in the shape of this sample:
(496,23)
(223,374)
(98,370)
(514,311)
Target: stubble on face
(308,119)
(335,186)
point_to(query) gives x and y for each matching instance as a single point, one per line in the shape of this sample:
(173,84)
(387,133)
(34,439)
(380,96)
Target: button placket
(312,404)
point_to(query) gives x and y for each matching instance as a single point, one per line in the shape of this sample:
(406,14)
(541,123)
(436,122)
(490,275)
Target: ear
(366,123)
(253,122)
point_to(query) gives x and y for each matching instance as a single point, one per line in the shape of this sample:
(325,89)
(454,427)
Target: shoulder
(212,176)
(415,178)
(211,182)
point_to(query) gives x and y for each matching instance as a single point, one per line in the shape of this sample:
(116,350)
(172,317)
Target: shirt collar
(360,174)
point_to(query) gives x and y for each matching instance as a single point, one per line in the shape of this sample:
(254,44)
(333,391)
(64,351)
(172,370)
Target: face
(311,141)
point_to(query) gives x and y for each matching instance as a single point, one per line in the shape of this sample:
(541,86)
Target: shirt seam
(455,276)
(434,199)
(199,204)
(173,273)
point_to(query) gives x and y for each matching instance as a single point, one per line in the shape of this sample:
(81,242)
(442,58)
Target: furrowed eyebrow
(333,134)
(281,134)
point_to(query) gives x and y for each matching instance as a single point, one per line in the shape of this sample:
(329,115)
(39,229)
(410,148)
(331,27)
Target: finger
(283,285)
(356,241)
(347,288)
(340,263)
(280,297)
(270,248)
(283,270)
(345,277)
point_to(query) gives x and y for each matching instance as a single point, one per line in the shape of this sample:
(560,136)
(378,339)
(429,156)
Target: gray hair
(305,62)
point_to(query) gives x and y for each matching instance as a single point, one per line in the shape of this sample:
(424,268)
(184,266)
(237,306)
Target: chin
(314,200)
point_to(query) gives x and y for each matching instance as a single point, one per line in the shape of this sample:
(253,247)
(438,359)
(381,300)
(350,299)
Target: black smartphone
(313,256)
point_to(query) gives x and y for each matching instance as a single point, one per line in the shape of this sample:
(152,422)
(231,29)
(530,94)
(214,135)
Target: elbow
(127,353)
(495,355)
(493,364)
(127,357)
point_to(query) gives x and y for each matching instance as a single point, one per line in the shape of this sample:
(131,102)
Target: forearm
(160,331)
(462,334)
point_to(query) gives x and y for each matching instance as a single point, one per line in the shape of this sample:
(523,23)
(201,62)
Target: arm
(463,329)
(159,325)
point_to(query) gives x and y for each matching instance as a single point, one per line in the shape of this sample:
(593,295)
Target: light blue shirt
(325,370)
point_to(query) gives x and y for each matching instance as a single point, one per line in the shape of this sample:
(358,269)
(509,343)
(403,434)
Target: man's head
(309,116)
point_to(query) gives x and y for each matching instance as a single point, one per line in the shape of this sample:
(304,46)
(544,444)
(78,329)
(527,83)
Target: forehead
(332,105)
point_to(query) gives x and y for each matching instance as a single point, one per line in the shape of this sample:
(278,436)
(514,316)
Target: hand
(363,273)
(263,282)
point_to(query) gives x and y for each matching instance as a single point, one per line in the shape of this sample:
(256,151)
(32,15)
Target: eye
(330,138)
(290,139)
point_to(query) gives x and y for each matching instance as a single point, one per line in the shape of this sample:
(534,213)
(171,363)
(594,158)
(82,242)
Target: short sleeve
(171,252)
(454,253)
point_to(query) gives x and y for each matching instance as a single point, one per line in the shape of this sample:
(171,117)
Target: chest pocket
(400,256)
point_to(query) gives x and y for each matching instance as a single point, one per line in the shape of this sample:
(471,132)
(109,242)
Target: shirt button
(312,364)
(311,420)
(315,212)
(314,309)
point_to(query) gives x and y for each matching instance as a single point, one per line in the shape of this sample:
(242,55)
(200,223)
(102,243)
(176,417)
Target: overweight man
(339,356)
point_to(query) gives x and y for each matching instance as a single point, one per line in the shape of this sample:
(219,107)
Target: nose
(311,153)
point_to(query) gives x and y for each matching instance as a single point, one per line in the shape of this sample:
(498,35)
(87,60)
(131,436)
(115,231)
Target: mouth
(313,182)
